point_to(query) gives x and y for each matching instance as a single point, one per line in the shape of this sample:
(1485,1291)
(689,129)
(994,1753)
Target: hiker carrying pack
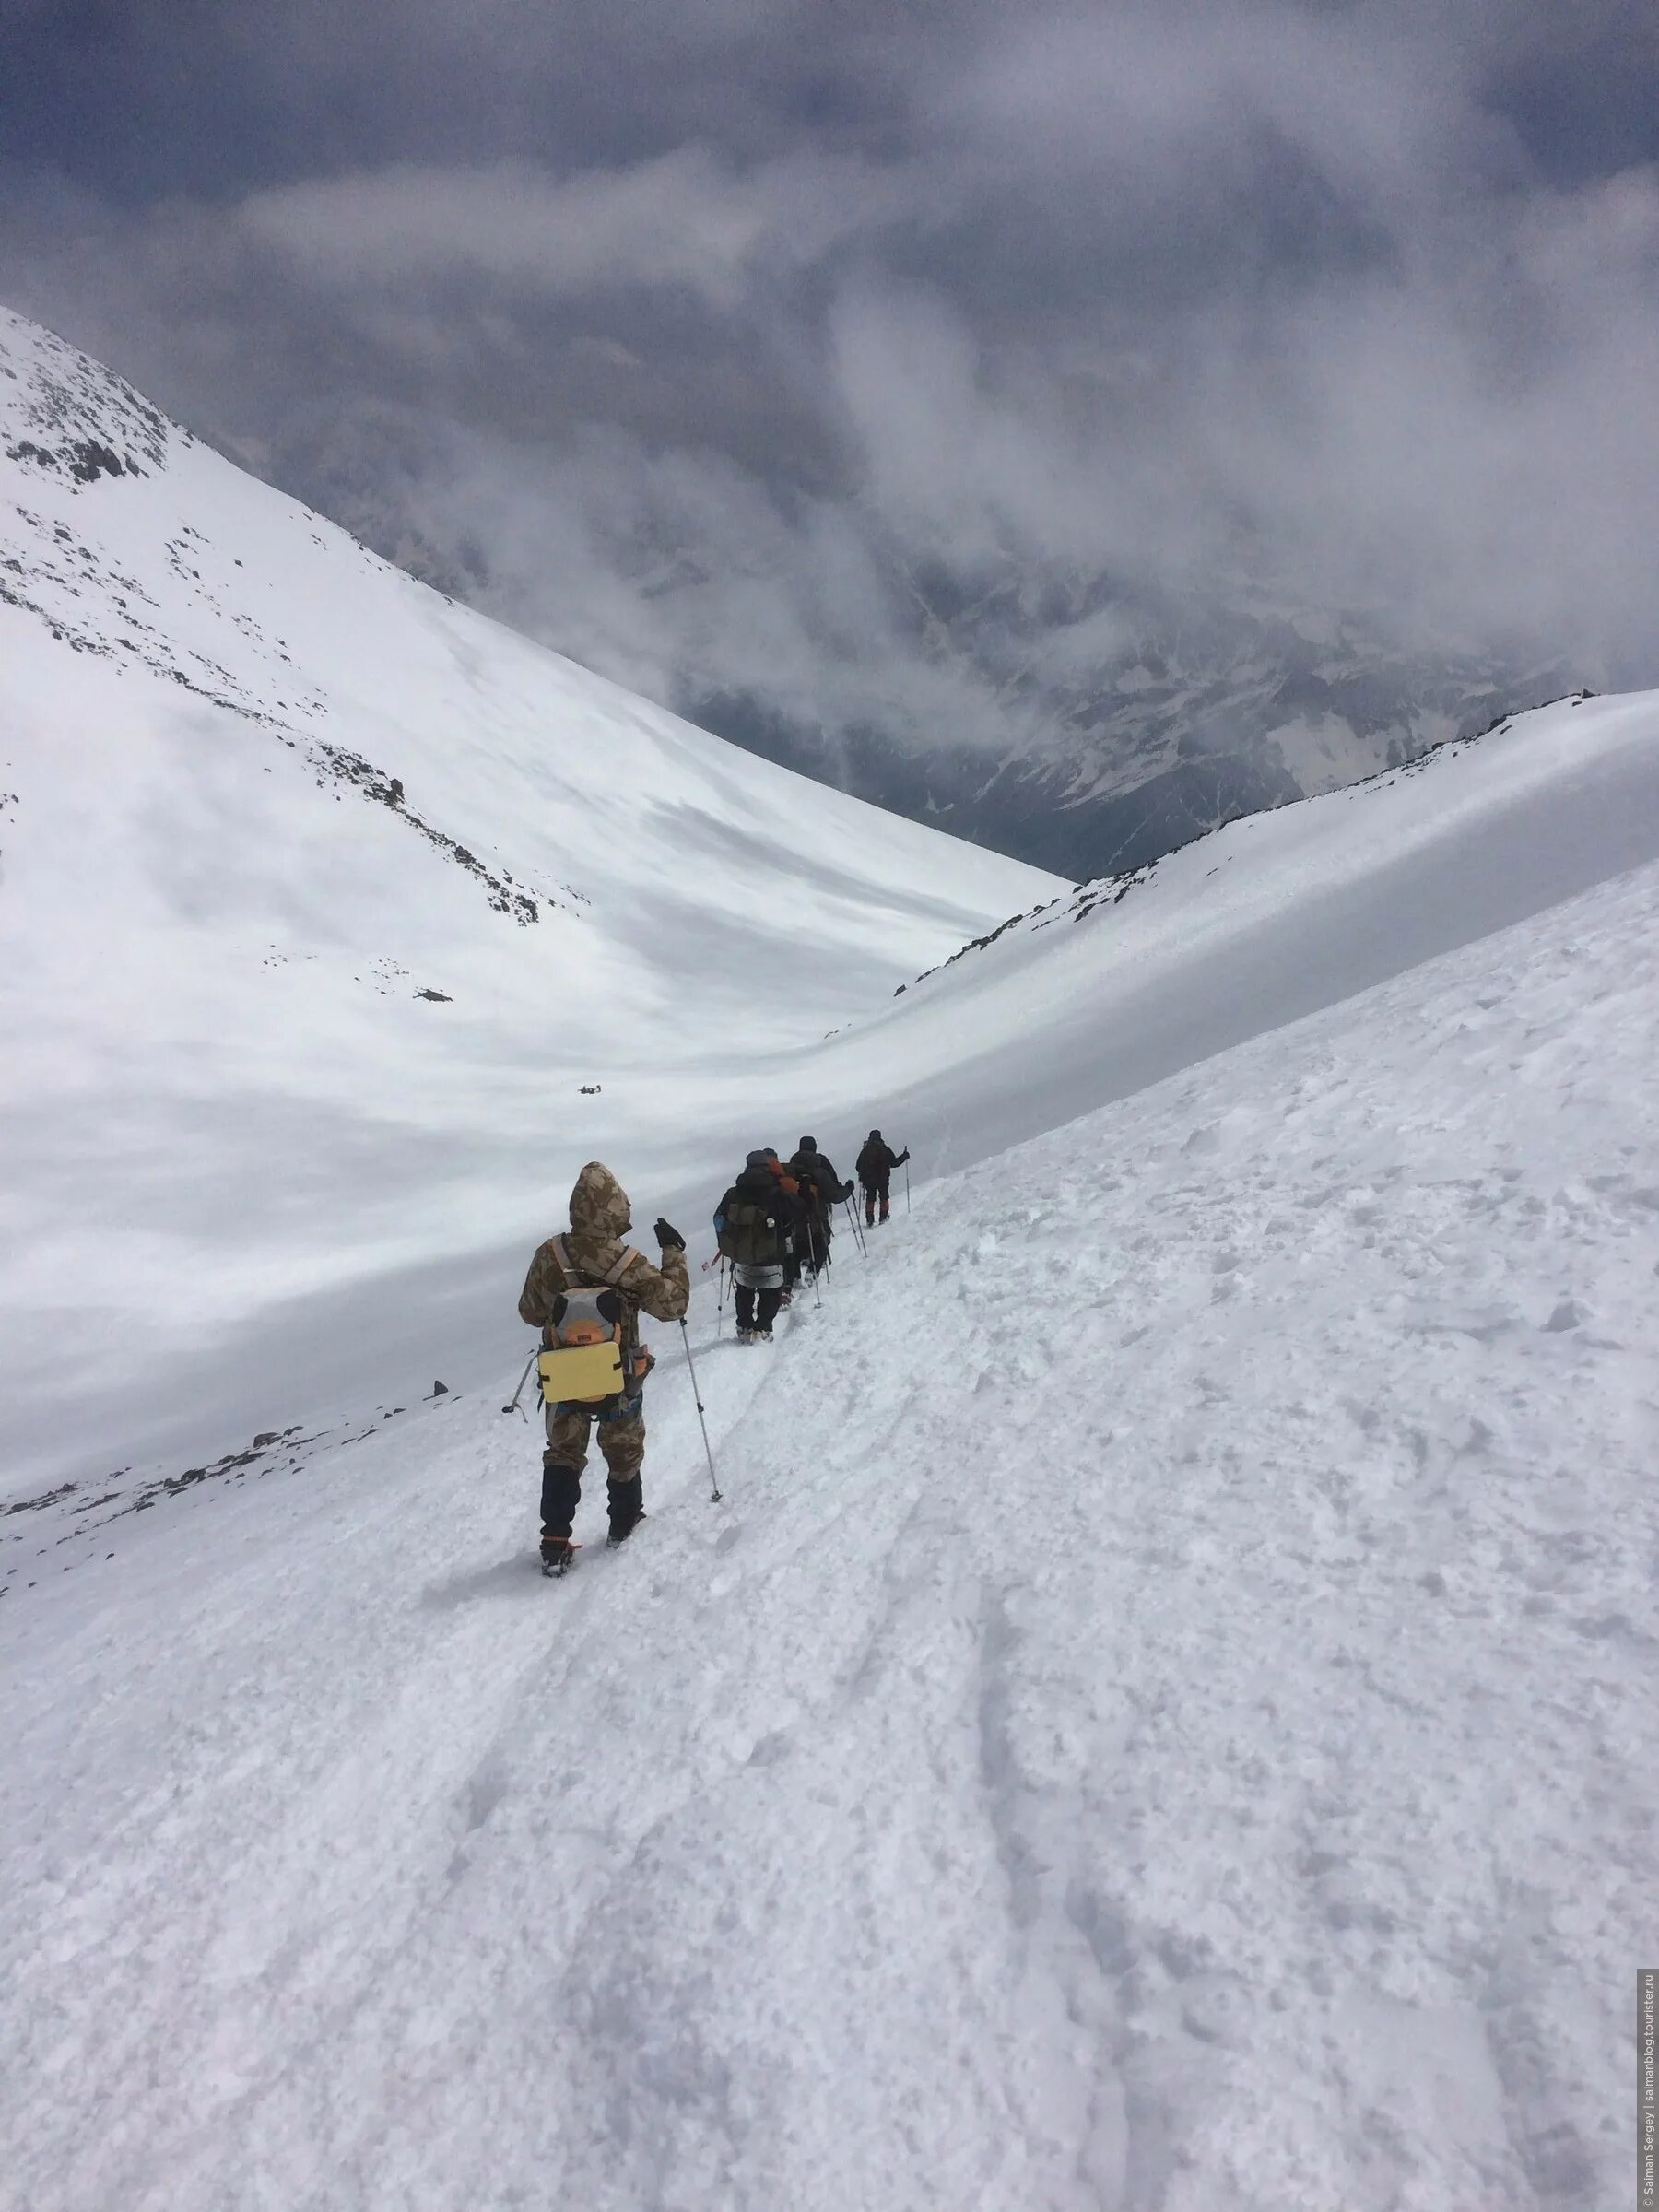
(823,1190)
(585,1292)
(588,1359)
(874,1168)
(754,1225)
(795,1208)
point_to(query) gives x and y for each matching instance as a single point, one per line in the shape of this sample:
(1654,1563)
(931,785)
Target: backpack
(752,1234)
(816,1178)
(586,1359)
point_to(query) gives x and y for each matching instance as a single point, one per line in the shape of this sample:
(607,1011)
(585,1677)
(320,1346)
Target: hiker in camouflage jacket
(600,1219)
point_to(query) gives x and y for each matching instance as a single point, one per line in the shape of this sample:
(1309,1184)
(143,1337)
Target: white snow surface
(249,1177)
(1162,1718)
(251,1180)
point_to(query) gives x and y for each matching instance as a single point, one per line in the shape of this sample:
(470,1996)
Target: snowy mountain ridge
(1111,889)
(1084,717)
(324,906)
(318,993)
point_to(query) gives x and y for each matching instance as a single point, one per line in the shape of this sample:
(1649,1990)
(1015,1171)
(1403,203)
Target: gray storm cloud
(689,343)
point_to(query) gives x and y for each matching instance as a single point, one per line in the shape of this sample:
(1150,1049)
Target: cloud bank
(713,341)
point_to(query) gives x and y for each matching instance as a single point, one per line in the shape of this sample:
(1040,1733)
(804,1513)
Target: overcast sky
(693,322)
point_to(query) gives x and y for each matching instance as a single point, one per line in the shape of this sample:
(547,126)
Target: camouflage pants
(622,1439)
(622,1443)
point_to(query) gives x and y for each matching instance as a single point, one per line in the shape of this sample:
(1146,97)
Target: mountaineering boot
(561,1493)
(746,1335)
(626,1509)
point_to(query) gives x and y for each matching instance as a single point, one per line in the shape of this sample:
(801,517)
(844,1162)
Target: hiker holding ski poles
(755,1223)
(875,1167)
(822,1188)
(585,1292)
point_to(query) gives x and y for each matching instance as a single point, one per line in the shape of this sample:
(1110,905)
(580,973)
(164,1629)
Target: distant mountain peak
(66,416)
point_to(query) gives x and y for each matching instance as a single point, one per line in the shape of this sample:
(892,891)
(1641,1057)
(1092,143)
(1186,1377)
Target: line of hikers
(777,1222)
(587,1287)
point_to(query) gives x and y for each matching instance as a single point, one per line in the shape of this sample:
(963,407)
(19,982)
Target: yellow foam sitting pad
(581,1372)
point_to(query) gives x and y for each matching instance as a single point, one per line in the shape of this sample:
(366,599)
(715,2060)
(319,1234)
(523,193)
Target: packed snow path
(1163,1719)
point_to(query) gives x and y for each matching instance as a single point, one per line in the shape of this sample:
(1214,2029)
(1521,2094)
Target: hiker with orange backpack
(794,1208)
(585,1292)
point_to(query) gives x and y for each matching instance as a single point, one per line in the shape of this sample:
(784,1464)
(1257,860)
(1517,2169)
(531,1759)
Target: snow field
(1162,1719)
(1099,995)
(251,1179)
(250,1176)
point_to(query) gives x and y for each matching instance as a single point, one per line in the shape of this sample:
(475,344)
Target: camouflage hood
(599,1207)
(593,1252)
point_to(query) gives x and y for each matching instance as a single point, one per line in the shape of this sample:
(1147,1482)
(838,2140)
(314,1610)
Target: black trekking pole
(514,1405)
(852,1223)
(703,1424)
(907,1186)
(720,1301)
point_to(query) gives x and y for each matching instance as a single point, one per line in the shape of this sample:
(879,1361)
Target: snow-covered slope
(1162,1719)
(1112,987)
(261,792)
(322,900)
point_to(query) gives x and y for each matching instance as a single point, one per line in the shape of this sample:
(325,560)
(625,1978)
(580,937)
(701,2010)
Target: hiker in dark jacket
(824,1191)
(796,1204)
(591,1253)
(755,1226)
(874,1168)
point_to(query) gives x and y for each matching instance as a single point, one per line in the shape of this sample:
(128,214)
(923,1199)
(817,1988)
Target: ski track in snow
(1163,1719)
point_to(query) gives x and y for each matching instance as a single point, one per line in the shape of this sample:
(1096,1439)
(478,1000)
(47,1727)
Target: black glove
(669,1239)
(902,1157)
